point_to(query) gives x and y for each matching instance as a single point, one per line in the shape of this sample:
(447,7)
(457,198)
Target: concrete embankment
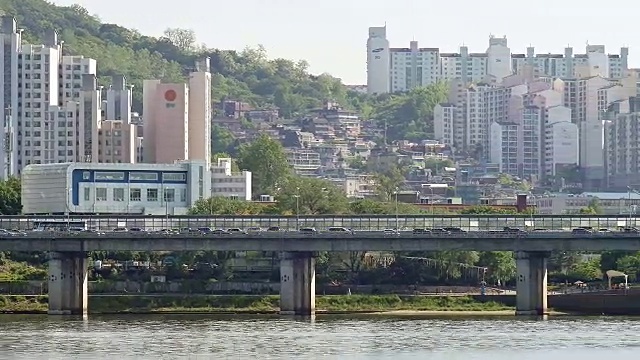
(619,303)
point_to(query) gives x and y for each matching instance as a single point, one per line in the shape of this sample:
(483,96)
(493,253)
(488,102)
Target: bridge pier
(298,283)
(68,283)
(531,286)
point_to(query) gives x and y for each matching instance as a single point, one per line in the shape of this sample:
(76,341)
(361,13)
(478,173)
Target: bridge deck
(359,241)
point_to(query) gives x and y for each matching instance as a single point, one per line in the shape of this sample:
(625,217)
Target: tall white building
(378,61)
(51,102)
(400,69)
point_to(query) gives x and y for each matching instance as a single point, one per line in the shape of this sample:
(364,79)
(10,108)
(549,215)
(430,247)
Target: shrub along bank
(253,304)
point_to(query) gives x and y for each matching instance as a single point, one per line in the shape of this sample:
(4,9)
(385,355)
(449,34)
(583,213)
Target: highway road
(357,222)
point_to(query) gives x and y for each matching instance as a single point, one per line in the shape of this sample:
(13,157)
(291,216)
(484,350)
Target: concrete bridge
(68,256)
(356,222)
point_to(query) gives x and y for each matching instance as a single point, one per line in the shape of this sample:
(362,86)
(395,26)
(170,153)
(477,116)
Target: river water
(326,337)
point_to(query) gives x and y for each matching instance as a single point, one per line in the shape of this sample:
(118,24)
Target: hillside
(247,75)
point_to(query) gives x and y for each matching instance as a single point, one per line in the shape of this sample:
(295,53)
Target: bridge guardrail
(355,222)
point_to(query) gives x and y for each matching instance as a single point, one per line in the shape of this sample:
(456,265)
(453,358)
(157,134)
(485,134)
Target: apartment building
(621,136)
(177,118)
(226,183)
(463,121)
(520,125)
(116,142)
(38,82)
(53,104)
(589,98)
(305,162)
(400,69)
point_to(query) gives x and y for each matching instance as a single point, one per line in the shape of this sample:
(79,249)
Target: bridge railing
(355,222)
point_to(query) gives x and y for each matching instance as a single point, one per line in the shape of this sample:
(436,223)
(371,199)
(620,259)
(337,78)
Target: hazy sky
(331,34)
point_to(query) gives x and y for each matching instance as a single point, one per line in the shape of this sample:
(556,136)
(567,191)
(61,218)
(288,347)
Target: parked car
(582,231)
(236,231)
(220,232)
(335,229)
(308,230)
(515,231)
(453,230)
(440,231)
(421,231)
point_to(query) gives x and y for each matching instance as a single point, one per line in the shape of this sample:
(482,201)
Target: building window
(87,194)
(118,194)
(183,195)
(152,194)
(103,175)
(169,195)
(174,177)
(142,176)
(101,194)
(135,195)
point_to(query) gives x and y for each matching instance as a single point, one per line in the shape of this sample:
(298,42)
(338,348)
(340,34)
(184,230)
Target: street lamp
(631,207)
(397,215)
(431,187)
(297,196)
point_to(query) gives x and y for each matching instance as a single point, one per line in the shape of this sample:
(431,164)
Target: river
(327,337)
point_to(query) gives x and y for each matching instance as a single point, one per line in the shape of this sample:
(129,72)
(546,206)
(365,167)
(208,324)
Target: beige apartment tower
(177,118)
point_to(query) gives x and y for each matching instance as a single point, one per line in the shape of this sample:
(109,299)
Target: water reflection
(334,336)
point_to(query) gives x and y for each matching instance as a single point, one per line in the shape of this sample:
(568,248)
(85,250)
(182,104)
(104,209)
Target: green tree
(609,259)
(371,207)
(563,261)
(224,206)
(437,165)
(388,183)
(10,197)
(311,196)
(592,209)
(630,265)
(586,270)
(222,140)
(409,115)
(486,210)
(183,39)
(501,266)
(357,163)
(266,159)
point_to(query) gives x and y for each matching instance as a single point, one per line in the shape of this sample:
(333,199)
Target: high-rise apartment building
(400,69)
(52,104)
(621,137)
(520,125)
(589,98)
(177,118)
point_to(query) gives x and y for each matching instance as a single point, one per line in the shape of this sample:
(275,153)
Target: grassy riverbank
(254,304)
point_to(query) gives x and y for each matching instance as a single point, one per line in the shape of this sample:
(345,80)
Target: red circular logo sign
(170,95)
